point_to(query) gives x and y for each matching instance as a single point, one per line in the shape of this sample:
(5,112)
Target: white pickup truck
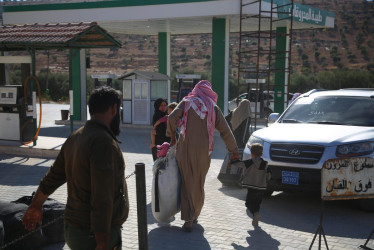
(316,127)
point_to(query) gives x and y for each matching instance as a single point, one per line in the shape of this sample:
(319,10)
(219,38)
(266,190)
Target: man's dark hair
(103,98)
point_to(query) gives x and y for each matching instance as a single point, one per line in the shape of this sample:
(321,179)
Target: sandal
(187,229)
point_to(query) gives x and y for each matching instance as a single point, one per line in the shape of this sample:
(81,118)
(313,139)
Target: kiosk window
(144,91)
(158,89)
(140,90)
(137,91)
(127,90)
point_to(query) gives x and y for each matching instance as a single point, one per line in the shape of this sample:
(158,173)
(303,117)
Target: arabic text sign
(349,178)
(305,14)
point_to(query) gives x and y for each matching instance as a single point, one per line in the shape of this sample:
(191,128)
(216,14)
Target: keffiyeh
(203,100)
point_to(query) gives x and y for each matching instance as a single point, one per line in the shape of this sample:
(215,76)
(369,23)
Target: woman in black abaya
(160,106)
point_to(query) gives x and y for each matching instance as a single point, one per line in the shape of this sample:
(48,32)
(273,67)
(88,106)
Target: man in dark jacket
(92,164)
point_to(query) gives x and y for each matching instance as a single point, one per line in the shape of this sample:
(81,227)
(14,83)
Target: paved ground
(288,221)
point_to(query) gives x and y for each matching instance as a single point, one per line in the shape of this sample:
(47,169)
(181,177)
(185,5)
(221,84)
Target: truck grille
(296,153)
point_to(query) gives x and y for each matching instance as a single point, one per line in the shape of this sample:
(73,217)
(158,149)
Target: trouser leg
(2,234)
(116,238)
(78,238)
(81,238)
(154,153)
(253,200)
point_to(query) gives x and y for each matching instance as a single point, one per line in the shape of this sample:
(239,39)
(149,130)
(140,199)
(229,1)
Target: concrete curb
(46,147)
(30,151)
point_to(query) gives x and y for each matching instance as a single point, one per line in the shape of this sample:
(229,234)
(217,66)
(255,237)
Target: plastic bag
(230,176)
(166,187)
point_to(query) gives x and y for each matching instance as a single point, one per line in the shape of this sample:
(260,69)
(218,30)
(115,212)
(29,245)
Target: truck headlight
(355,149)
(254,139)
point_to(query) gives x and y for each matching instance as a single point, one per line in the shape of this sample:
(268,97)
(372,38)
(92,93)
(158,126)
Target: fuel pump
(185,84)
(18,111)
(16,122)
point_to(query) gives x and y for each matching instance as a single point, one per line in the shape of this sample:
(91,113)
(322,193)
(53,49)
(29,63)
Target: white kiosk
(140,90)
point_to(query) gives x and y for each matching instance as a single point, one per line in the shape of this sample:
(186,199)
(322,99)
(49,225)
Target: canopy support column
(164,56)
(220,61)
(281,69)
(78,83)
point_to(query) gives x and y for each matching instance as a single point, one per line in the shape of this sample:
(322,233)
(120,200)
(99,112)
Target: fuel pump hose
(40,103)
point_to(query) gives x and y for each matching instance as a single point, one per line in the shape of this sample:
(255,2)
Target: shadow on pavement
(150,218)
(19,161)
(135,140)
(9,172)
(59,132)
(177,238)
(234,191)
(258,237)
(301,211)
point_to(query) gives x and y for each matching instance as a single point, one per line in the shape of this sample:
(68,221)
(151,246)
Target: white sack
(169,182)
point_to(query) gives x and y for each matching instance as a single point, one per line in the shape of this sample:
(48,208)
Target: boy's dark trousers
(254,199)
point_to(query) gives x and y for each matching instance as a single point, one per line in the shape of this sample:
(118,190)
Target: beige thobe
(193,158)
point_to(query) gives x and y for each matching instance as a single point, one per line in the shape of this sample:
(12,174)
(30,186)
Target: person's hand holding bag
(234,158)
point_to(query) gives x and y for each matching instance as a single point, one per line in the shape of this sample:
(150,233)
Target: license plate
(290,177)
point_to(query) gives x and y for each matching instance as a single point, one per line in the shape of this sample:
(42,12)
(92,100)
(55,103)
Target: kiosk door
(140,108)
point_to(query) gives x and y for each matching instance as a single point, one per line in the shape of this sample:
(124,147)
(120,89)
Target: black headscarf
(161,128)
(157,113)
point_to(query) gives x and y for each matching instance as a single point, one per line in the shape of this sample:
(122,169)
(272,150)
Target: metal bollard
(142,206)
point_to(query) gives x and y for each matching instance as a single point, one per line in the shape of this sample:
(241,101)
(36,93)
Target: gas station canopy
(55,36)
(151,17)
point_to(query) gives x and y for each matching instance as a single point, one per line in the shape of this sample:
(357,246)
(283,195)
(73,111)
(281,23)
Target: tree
(58,85)
(359,39)
(316,55)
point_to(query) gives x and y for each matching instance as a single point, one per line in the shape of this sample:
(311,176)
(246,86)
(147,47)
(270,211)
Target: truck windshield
(336,110)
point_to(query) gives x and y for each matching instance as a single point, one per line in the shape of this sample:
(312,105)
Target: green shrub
(58,85)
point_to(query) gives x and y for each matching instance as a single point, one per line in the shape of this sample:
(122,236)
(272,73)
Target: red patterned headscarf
(203,100)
